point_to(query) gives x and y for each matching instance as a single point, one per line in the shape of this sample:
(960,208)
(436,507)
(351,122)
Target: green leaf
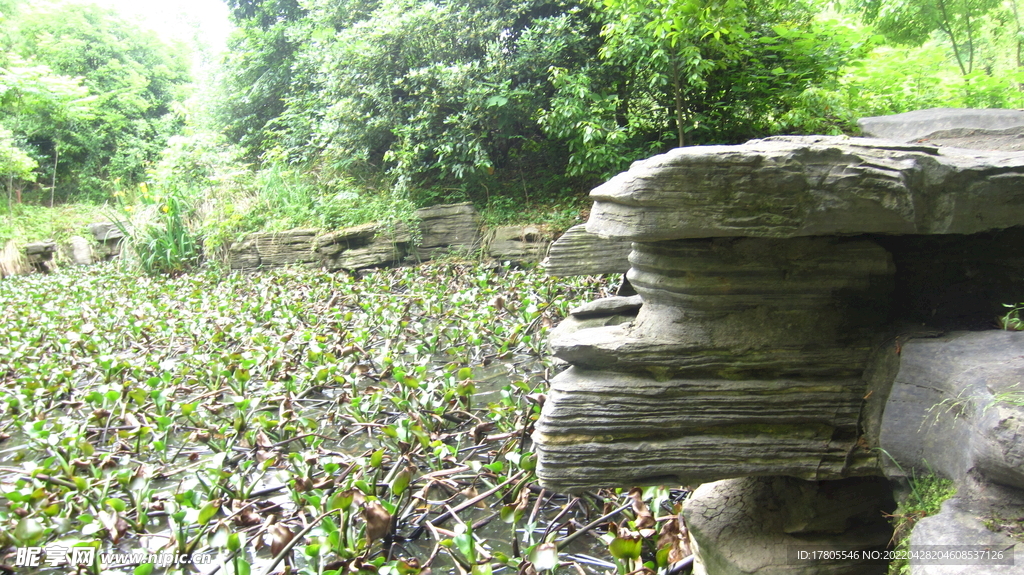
(544,556)
(234,542)
(144,569)
(496,101)
(28,530)
(207,512)
(377,458)
(401,481)
(625,548)
(464,543)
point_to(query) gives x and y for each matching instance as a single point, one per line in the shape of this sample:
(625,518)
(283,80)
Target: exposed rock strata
(936,122)
(441,229)
(453,227)
(274,249)
(518,243)
(602,428)
(40,255)
(108,238)
(759,342)
(777,310)
(368,245)
(578,252)
(790,186)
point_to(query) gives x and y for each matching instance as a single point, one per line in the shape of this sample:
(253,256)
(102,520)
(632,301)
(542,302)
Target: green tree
(258,74)
(425,92)
(691,72)
(134,77)
(914,21)
(36,105)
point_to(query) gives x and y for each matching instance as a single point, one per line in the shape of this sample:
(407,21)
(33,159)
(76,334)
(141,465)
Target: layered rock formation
(518,243)
(108,238)
(773,304)
(40,255)
(441,229)
(579,252)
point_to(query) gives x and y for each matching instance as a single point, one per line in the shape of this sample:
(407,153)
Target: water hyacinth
(374,423)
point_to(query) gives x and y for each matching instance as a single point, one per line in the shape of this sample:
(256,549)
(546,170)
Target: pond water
(210,412)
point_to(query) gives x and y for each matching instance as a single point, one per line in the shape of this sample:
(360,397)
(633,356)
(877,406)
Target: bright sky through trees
(185,20)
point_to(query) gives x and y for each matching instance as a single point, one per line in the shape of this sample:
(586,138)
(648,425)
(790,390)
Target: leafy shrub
(158,232)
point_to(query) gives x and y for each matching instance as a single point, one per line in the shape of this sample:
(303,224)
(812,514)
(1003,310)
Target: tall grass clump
(158,230)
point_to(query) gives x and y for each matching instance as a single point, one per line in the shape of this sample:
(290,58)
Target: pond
(376,423)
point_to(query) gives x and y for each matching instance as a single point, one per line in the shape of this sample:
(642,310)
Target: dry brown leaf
(378,521)
(673,536)
(527,568)
(115,525)
(246,516)
(263,442)
(644,518)
(280,536)
(479,432)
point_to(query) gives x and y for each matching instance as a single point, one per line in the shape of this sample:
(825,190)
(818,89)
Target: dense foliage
(209,413)
(457,100)
(324,107)
(87,96)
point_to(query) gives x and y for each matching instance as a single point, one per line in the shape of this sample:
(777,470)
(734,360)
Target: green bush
(158,229)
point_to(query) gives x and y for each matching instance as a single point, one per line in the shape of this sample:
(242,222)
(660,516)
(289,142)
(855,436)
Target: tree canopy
(104,90)
(508,103)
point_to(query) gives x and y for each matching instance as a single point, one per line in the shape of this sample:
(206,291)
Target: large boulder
(791,186)
(964,389)
(759,525)
(786,284)
(79,251)
(937,123)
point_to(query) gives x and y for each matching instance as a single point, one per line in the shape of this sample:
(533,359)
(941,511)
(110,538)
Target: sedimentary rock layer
(790,186)
(578,252)
(452,227)
(744,359)
(746,307)
(601,428)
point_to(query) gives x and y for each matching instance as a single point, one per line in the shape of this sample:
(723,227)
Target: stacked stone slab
(767,283)
(451,228)
(40,255)
(108,238)
(518,243)
(579,253)
(440,230)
